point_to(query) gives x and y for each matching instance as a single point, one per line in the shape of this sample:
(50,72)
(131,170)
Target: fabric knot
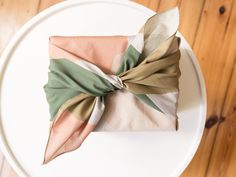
(78,81)
(117,82)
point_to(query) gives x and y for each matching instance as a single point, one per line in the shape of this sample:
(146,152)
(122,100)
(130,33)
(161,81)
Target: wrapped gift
(113,83)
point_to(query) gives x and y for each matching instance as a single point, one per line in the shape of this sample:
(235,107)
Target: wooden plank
(190,14)
(230,103)
(13,14)
(222,162)
(167,4)
(209,43)
(229,52)
(211,47)
(47,3)
(154,5)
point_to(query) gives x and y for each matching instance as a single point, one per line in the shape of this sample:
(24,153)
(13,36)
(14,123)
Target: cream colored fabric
(85,93)
(127,113)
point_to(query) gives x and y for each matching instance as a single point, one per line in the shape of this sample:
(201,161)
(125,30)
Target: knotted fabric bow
(77,84)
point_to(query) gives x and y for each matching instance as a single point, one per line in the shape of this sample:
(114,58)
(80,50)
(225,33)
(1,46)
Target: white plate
(24,110)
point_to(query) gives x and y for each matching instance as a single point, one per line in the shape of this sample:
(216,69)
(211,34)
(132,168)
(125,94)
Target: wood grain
(47,3)
(13,14)
(210,28)
(166,4)
(230,101)
(223,156)
(190,15)
(211,48)
(154,5)
(222,162)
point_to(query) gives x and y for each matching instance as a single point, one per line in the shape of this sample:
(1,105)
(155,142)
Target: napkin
(113,83)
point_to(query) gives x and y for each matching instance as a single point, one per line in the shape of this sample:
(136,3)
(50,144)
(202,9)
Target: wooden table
(210,28)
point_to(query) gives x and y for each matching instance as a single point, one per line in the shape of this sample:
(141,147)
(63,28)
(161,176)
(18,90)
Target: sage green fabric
(67,80)
(154,75)
(154,71)
(78,85)
(129,60)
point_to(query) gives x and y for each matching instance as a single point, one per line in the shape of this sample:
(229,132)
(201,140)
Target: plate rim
(5,58)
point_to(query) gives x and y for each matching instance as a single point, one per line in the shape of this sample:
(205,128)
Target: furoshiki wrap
(113,83)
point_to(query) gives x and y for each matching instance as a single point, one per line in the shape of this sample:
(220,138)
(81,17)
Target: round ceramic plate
(24,110)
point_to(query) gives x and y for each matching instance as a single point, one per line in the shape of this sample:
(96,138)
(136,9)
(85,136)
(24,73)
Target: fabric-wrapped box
(113,83)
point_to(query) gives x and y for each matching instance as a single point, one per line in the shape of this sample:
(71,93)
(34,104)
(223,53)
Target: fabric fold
(86,70)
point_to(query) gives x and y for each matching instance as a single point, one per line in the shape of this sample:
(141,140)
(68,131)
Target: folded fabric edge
(148,51)
(79,130)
